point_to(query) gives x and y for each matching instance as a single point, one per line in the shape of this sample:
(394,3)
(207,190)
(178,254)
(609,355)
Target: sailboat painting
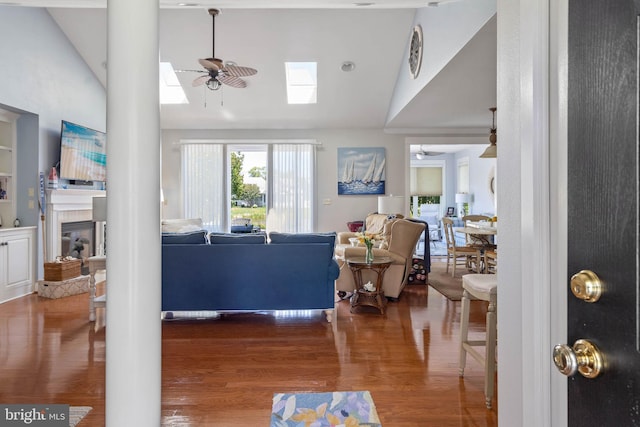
(361,170)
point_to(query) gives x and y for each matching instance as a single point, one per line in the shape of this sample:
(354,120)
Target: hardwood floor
(224,371)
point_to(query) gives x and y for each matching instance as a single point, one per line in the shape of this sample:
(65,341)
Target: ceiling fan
(423,154)
(440,2)
(219,72)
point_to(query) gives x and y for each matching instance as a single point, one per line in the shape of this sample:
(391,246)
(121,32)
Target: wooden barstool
(483,287)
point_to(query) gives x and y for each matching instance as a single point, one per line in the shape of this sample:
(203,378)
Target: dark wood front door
(603,205)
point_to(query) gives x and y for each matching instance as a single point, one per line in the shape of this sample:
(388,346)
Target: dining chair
(459,254)
(491,260)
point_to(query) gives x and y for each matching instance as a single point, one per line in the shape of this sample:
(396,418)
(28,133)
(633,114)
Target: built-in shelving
(7,164)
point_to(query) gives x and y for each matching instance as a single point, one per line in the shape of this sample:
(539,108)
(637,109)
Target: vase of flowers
(367,239)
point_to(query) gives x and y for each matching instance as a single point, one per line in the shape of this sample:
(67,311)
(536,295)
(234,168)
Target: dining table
(480,232)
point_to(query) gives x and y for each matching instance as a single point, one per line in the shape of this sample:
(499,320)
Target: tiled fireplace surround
(67,206)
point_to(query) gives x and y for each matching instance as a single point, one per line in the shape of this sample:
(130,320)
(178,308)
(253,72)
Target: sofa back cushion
(232,238)
(181,225)
(277,237)
(192,238)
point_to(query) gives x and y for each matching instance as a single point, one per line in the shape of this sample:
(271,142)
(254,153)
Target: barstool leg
(464,331)
(490,359)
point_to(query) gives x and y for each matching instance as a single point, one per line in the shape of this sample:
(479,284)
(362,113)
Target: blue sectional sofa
(241,272)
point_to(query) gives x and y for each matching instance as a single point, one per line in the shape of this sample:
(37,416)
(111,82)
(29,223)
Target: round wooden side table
(362,296)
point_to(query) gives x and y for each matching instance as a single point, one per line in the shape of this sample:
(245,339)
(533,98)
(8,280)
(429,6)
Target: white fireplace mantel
(66,206)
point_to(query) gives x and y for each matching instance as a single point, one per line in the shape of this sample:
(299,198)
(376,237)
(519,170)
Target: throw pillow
(193,238)
(238,239)
(181,225)
(277,237)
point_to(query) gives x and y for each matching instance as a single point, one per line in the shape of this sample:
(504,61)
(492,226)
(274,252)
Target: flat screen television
(83,153)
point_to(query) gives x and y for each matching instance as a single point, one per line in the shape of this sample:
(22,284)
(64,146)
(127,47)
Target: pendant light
(492,150)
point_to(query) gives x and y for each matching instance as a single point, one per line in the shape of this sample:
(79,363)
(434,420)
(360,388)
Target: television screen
(83,153)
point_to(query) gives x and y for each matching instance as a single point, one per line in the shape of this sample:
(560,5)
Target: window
(171,91)
(290,180)
(463,176)
(302,82)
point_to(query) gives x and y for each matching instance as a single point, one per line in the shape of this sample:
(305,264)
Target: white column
(133,331)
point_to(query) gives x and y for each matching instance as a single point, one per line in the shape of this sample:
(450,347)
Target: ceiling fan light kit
(492,150)
(217,71)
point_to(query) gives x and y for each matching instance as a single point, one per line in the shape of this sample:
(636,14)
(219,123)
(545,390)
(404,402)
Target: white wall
(479,168)
(331,217)
(44,78)
(42,73)
(446,29)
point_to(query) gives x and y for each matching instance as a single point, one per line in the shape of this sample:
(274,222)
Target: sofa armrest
(344,236)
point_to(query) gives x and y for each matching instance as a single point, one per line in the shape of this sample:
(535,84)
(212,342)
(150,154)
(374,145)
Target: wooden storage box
(58,271)
(64,288)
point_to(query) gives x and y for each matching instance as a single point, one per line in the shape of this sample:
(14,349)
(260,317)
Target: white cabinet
(17,268)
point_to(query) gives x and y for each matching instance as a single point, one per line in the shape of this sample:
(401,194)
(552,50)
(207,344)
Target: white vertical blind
(293,195)
(203,180)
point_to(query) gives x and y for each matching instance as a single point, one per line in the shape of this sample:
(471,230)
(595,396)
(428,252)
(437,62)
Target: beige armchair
(402,238)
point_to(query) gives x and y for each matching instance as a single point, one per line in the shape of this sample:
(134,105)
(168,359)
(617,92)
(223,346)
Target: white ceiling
(263,34)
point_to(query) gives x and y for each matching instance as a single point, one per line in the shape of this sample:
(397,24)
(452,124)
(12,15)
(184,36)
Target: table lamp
(462,200)
(391,205)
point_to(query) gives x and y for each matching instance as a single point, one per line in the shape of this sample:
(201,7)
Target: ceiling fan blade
(232,81)
(199,81)
(211,63)
(239,71)
(191,71)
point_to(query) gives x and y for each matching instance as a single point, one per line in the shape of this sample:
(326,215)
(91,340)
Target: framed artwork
(361,170)
(450,211)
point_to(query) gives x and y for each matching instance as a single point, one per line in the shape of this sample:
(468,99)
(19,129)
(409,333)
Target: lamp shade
(99,212)
(463,198)
(391,204)
(491,152)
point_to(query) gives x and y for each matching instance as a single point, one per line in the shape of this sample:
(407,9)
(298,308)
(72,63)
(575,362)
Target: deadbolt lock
(586,285)
(583,357)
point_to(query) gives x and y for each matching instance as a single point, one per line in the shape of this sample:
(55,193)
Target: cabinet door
(18,261)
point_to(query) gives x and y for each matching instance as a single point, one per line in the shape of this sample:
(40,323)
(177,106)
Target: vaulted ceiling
(264,34)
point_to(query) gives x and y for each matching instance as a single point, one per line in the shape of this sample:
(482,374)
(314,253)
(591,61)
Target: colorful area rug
(77,413)
(339,408)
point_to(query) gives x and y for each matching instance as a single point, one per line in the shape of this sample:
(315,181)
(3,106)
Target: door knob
(586,285)
(583,357)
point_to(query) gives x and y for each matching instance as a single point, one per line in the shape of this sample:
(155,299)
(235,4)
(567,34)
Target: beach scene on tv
(83,154)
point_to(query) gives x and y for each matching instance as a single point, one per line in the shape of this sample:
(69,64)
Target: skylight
(170,89)
(302,82)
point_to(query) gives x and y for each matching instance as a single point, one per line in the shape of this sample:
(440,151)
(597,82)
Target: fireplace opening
(78,240)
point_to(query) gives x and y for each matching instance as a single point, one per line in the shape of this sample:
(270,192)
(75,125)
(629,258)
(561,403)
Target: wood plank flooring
(224,371)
